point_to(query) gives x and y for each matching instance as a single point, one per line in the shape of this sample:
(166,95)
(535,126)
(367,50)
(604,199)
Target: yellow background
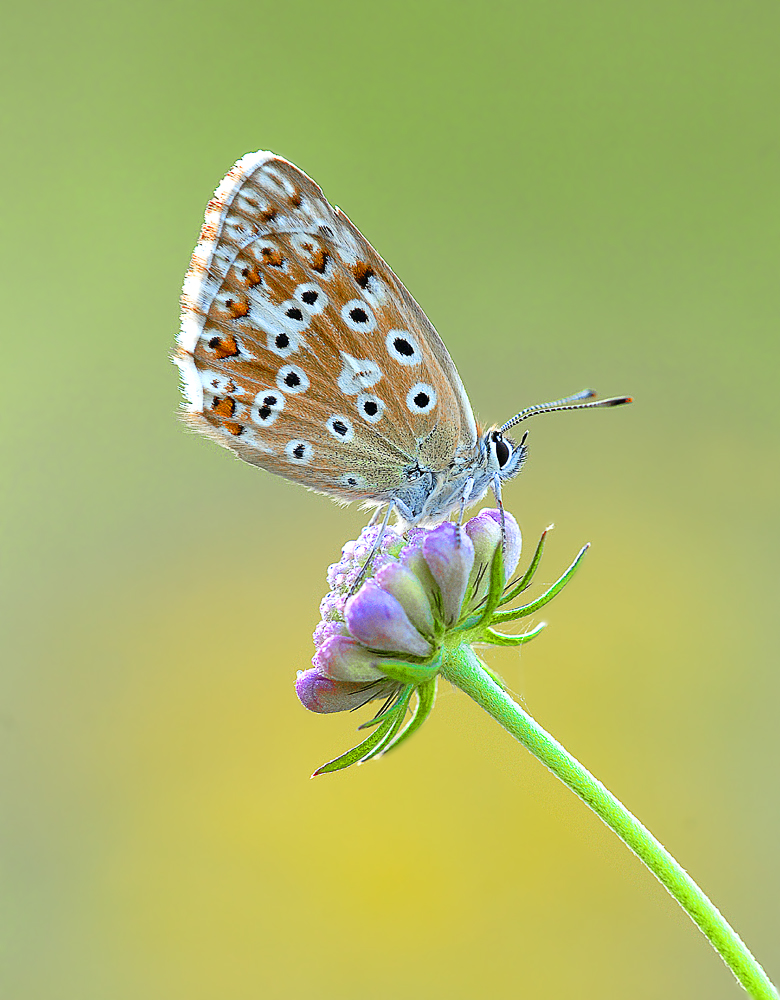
(578,193)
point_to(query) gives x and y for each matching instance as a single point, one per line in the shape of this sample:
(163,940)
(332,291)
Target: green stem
(462,668)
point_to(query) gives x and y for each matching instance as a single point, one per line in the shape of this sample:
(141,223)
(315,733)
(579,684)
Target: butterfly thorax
(430,496)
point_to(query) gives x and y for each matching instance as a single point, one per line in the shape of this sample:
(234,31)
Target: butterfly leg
(467,491)
(367,564)
(499,502)
(374,517)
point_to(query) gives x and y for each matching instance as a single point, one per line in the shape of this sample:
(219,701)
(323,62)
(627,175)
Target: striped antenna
(567,403)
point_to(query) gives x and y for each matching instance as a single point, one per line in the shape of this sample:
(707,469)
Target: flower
(423,596)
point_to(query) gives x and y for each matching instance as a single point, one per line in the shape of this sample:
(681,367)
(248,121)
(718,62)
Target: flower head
(423,595)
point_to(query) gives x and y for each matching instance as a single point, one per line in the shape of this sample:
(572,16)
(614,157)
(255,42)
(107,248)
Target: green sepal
(499,639)
(525,580)
(411,673)
(384,715)
(398,722)
(426,696)
(360,751)
(557,587)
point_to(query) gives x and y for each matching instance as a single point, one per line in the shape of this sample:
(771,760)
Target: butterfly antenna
(567,403)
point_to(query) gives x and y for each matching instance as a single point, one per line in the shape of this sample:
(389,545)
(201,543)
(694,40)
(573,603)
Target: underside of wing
(302,352)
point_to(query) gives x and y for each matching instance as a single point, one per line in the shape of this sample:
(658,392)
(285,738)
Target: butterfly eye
(503,450)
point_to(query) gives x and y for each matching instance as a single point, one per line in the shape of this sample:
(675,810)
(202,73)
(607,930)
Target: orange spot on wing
(363,273)
(224,407)
(233,428)
(272,257)
(224,347)
(237,307)
(251,276)
(319,260)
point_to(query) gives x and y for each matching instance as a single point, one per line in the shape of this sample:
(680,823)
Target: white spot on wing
(421,398)
(358,316)
(344,243)
(366,402)
(250,203)
(357,375)
(295,314)
(340,427)
(239,229)
(352,480)
(299,452)
(284,344)
(286,379)
(220,384)
(277,179)
(267,406)
(375,291)
(274,321)
(403,348)
(311,297)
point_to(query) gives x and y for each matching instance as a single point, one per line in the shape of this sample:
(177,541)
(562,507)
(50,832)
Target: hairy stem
(462,668)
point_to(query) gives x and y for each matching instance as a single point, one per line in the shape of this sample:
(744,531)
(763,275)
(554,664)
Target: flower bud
(484,530)
(379,621)
(345,659)
(449,553)
(408,590)
(320,693)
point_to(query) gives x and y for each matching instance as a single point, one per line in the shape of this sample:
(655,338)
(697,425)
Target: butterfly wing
(302,352)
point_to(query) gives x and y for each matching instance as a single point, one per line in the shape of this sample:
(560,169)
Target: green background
(578,193)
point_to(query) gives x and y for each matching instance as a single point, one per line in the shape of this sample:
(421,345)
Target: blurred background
(578,194)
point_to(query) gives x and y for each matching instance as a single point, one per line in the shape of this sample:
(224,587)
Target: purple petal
(514,541)
(323,694)
(407,589)
(377,619)
(485,532)
(449,554)
(344,659)
(412,557)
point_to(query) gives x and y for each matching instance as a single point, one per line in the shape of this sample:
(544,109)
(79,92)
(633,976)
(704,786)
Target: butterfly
(302,352)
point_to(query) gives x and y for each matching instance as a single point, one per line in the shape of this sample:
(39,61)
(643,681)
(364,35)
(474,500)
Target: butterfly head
(503,456)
